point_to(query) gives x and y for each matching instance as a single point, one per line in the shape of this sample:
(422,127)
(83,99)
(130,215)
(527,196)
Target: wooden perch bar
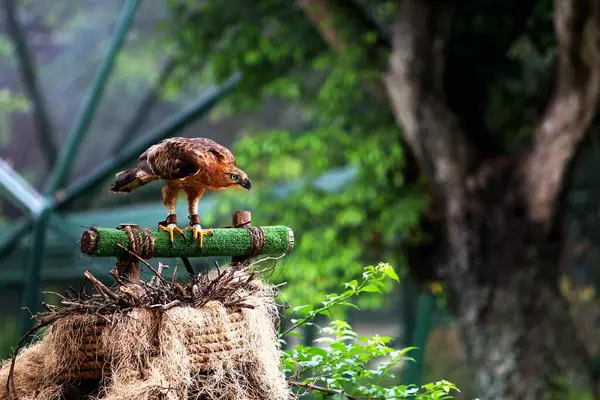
(226,242)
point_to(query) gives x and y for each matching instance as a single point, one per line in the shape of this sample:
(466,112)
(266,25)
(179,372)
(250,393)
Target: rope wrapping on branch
(257,237)
(141,241)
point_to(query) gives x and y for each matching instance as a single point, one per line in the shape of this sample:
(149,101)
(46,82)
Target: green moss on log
(229,242)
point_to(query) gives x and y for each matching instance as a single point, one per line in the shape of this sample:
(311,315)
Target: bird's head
(237,177)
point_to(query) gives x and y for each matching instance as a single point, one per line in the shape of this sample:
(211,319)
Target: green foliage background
(340,225)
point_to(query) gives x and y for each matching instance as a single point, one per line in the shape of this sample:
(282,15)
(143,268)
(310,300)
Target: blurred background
(87,85)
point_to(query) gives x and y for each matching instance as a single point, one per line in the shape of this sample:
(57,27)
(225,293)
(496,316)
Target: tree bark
(571,109)
(502,250)
(501,242)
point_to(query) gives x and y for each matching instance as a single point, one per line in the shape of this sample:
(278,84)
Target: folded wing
(171,159)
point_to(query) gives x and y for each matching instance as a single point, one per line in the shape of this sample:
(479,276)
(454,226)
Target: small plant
(347,366)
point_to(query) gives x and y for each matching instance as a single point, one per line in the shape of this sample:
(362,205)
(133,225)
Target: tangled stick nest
(211,338)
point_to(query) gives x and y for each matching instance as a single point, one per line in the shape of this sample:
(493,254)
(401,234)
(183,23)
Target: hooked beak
(246,184)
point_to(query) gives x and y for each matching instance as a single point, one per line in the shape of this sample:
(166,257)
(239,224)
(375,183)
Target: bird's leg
(197,231)
(170,192)
(170,225)
(194,195)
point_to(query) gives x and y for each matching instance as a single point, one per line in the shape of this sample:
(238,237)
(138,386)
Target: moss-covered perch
(230,242)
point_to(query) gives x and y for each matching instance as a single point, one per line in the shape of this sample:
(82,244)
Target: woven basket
(210,345)
(89,361)
(207,346)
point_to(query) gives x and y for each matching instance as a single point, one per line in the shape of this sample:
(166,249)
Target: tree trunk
(496,217)
(503,274)
(520,338)
(502,244)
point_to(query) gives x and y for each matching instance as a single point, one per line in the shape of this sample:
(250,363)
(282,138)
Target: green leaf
(319,352)
(353,284)
(370,288)
(295,334)
(345,303)
(304,309)
(406,350)
(392,274)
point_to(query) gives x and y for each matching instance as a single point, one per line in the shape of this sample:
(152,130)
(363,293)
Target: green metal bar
(42,121)
(166,129)
(132,127)
(408,295)
(146,105)
(92,97)
(86,113)
(414,371)
(20,191)
(31,291)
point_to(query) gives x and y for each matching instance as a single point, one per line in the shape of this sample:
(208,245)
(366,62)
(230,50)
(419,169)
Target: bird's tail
(129,180)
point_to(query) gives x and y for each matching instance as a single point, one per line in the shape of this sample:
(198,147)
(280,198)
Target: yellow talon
(198,233)
(171,228)
(179,231)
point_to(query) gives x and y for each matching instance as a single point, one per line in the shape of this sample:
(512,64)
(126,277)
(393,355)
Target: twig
(322,389)
(313,313)
(71,292)
(54,294)
(161,267)
(174,275)
(80,305)
(100,287)
(325,390)
(129,292)
(153,280)
(140,259)
(171,305)
(115,274)
(10,384)
(48,307)
(239,303)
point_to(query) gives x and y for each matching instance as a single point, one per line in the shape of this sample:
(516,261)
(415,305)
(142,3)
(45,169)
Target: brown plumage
(191,164)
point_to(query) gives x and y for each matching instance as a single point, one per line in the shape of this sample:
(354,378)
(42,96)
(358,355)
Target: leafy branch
(372,281)
(432,393)
(347,365)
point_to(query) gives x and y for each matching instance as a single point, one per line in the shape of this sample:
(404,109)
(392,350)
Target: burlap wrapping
(213,352)
(205,345)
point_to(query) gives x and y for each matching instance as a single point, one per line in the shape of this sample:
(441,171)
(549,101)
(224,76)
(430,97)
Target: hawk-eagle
(191,164)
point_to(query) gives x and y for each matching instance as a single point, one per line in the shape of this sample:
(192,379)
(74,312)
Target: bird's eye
(233,177)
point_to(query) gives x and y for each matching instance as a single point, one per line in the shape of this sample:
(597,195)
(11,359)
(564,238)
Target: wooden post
(240,219)
(129,266)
